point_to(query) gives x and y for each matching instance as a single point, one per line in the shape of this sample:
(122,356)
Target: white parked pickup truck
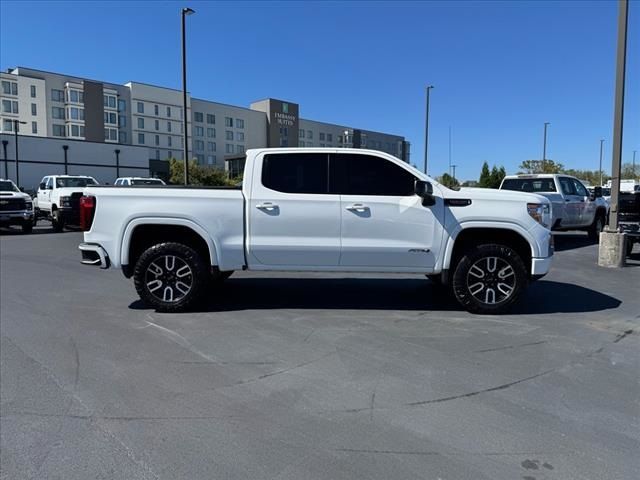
(58,199)
(338,210)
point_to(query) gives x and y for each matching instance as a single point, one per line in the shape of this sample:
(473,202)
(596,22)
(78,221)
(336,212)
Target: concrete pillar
(612,252)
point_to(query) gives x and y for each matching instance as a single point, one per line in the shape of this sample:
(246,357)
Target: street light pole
(16,124)
(117,152)
(6,158)
(426,131)
(544,147)
(634,164)
(66,163)
(601,144)
(454,172)
(184,13)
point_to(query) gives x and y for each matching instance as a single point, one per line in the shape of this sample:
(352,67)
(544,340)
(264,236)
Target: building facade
(62,106)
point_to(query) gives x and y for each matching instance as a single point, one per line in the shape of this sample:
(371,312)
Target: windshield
(8,186)
(75,182)
(147,181)
(529,184)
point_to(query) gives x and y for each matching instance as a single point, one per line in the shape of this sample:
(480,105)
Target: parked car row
(57,200)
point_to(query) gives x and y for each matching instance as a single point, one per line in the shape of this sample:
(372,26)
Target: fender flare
(453,235)
(125,241)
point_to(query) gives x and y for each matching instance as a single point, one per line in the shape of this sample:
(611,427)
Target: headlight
(540,212)
(28,205)
(65,201)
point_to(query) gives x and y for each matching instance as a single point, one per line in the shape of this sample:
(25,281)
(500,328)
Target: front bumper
(540,266)
(94,255)
(16,217)
(70,215)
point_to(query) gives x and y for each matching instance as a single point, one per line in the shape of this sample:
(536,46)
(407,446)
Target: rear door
(384,223)
(293,220)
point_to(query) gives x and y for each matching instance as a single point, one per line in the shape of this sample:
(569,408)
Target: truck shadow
(238,294)
(570,241)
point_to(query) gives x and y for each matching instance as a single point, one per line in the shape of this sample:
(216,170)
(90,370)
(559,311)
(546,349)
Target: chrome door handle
(267,206)
(357,207)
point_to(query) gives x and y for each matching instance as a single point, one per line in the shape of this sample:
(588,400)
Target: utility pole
(6,159)
(634,164)
(16,126)
(612,251)
(184,13)
(454,172)
(449,149)
(426,132)
(544,148)
(601,144)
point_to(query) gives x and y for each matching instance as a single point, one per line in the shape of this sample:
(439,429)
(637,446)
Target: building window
(110,101)
(200,158)
(199,131)
(34,109)
(34,127)
(228,148)
(109,117)
(110,134)
(309,134)
(211,146)
(228,121)
(198,117)
(141,138)
(157,124)
(211,132)
(211,159)
(157,139)
(168,111)
(301,143)
(58,130)
(170,154)
(156,109)
(9,106)
(168,126)
(9,88)
(7,125)
(74,96)
(123,137)
(122,121)
(322,145)
(140,122)
(199,145)
(169,141)
(240,136)
(57,113)
(239,123)
(239,148)
(140,107)
(301,134)
(321,137)
(284,131)
(211,119)
(157,154)
(75,131)
(122,105)
(33,91)
(229,135)
(57,95)
(329,137)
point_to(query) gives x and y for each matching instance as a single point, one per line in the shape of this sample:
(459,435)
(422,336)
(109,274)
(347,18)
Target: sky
(499,69)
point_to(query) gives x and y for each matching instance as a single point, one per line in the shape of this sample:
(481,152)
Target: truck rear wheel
(170,277)
(489,279)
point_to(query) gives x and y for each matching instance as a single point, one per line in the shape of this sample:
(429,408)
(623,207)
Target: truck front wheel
(489,279)
(170,277)
(56,221)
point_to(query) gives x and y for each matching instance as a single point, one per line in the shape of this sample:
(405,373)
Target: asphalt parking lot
(315,376)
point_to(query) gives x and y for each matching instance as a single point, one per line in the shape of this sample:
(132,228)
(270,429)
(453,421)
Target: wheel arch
(141,233)
(468,236)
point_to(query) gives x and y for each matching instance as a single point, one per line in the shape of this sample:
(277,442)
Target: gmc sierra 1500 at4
(338,210)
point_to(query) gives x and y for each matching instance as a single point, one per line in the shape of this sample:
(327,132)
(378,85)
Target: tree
(485,176)
(497,174)
(203,175)
(448,181)
(538,166)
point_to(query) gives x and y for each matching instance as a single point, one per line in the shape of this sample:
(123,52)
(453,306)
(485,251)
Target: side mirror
(21,189)
(42,186)
(424,190)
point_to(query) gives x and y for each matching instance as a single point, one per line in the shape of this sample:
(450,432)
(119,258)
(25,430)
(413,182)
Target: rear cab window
(296,172)
(529,185)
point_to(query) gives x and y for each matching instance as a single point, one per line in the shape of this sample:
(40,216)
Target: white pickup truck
(338,210)
(58,199)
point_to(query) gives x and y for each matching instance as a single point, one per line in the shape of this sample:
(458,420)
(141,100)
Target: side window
(118,182)
(49,184)
(354,174)
(567,186)
(580,189)
(296,172)
(44,180)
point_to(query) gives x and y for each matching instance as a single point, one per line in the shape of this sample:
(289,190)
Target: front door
(293,220)
(44,194)
(384,223)
(573,203)
(587,206)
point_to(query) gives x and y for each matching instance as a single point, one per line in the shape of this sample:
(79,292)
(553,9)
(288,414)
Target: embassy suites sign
(283,123)
(285,119)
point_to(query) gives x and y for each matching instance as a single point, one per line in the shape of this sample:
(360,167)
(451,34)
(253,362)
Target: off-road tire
(485,269)
(156,278)
(56,221)
(596,227)
(27,226)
